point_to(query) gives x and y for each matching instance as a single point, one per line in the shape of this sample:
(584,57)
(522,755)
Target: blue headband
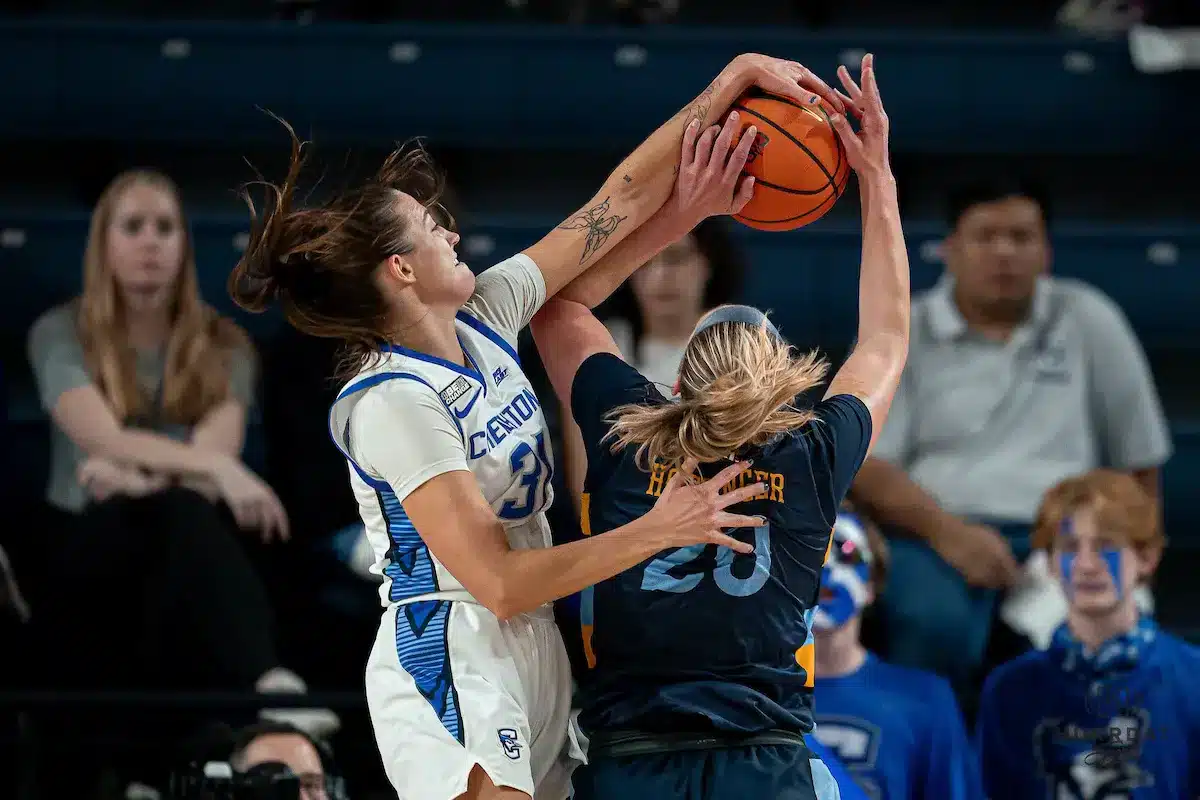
(745,314)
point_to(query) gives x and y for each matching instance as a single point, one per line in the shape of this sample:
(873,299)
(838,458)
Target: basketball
(798,163)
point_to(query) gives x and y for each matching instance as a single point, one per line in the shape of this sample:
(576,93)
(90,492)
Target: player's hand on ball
(694,513)
(785,78)
(710,178)
(866,150)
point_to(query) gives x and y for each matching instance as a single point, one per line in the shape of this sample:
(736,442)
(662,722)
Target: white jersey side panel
(503,432)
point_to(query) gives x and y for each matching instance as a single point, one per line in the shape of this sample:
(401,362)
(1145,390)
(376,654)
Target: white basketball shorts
(450,686)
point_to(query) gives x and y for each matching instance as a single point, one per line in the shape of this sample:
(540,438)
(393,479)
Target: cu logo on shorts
(508,740)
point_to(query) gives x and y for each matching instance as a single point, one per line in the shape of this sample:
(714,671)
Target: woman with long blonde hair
(700,659)
(148,390)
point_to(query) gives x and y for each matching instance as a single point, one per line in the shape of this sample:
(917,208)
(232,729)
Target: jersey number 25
(658,578)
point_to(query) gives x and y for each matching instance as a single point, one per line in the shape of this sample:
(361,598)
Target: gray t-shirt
(988,427)
(56,356)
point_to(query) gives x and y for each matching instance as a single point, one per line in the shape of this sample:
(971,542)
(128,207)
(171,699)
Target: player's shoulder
(390,391)
(608,376)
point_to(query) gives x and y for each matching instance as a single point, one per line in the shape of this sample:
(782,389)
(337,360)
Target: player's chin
(462,282)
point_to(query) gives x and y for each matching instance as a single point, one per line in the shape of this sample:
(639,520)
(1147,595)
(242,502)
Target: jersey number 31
(658,577)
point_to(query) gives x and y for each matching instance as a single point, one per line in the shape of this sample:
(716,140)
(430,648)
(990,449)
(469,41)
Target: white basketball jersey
(503,431)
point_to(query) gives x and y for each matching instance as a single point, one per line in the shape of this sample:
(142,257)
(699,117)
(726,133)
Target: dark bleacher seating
(495,87)
(807,278)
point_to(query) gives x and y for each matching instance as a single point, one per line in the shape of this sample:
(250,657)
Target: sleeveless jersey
(700,638)
(493,411)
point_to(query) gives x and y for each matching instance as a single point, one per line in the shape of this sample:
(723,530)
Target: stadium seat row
(500,86)
(808,278)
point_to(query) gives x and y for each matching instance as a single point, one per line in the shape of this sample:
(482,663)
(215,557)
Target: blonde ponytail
(737,385)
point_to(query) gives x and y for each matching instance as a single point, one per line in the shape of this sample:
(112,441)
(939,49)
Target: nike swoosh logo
(463,414)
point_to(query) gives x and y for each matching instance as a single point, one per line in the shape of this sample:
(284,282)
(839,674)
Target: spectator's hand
(710,178)
(253,503)
(784,78)
(979,552)
(866,150)
(103,479)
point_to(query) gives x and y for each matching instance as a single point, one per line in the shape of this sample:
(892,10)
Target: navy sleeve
(604,382)
(842,435)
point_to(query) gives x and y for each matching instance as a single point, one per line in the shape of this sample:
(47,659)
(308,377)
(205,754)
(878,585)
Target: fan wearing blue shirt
(1109,711)
(898,731)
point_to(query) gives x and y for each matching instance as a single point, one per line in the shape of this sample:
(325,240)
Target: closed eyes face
(432,267)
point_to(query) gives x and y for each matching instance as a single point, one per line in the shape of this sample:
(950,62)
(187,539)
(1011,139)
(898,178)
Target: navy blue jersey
(899,732)
(700,637)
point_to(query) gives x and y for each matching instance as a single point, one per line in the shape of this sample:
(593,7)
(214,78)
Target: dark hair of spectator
(966,196)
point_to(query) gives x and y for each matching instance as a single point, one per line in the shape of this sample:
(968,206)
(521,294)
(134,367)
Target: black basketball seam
(757,93)
(831,197)
(828,178)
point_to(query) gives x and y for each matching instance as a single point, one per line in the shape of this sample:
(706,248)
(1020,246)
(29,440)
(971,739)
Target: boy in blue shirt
(897,730)
(1109,711)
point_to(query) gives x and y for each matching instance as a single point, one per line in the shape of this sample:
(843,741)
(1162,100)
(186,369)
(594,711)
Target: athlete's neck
(839,652)
(1093,630)
(434,335)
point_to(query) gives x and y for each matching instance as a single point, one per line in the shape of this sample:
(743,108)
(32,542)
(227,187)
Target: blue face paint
(1112,562)
(838,609)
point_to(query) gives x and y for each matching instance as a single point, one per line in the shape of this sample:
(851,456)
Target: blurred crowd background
(138,620)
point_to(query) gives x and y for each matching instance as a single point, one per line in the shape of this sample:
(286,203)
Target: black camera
(216,780)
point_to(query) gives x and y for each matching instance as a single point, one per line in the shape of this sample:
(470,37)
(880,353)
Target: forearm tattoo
(702,105)
(599,223)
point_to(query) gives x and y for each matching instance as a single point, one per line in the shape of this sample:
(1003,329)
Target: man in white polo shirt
(1015,380)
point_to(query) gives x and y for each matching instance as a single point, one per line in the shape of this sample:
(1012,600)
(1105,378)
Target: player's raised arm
(640,185)
(873,369)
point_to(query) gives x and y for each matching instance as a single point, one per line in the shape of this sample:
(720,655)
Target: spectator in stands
(660,305)
(897,730)
(267,748)
(1110,708)
(148,390)
(1015,380)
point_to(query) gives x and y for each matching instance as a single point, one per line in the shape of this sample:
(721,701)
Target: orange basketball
(798,163)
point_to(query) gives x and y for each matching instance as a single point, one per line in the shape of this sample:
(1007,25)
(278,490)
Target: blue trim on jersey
(410,566)
(367,383)
(423,649)
(496,338)
(474,374)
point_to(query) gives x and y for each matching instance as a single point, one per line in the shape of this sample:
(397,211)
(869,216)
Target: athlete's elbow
(503,601)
